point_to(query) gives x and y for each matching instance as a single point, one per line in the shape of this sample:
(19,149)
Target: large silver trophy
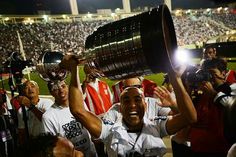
(134,46)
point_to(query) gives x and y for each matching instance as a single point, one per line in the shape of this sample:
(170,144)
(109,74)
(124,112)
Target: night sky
(93,4)
(62,6)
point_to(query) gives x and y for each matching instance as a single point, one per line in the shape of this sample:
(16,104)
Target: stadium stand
(195,28)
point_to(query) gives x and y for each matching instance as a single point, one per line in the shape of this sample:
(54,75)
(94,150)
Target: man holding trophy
(131,134)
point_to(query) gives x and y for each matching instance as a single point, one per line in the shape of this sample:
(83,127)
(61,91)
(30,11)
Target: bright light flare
(113,15)
(45,17)
(219,9)
(64,16)
(182,56)
(7,18)
(28,21)
(89,15)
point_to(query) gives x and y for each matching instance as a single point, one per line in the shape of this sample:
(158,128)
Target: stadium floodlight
(63,16)
(89,15)
(113,15)
(28,21)
(118,10)
(6,19)
(45,17)
(219,9)
(208,10)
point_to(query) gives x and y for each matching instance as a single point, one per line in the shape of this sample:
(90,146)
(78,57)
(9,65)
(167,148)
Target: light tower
(168,3)
(126,6)
(74,7)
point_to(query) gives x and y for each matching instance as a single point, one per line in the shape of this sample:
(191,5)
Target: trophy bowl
(48,67)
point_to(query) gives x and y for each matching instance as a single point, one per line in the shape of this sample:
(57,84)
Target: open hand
(165,96)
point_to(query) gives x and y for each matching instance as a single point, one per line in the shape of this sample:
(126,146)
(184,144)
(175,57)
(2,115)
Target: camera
(17,64)
(198,76)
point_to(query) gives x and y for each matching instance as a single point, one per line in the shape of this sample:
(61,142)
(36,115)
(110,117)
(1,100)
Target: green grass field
(158,78)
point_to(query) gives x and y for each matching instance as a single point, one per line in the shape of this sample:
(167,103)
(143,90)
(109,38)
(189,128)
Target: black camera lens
(199,76)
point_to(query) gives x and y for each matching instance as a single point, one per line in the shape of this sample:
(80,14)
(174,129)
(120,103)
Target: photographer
(30,112)
(210,52)
(7,128)
(16,65)
(207,135)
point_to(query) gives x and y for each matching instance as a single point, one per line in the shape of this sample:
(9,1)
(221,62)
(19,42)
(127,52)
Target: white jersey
(9,106)
(227,100)
(153,111)
(59,120)
(148,142)
(34,124)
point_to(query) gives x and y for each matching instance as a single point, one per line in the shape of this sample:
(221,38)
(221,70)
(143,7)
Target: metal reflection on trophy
(48,67)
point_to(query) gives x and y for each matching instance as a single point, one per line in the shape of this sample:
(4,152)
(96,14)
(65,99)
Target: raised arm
(90,121)
(187,113)
(24,101)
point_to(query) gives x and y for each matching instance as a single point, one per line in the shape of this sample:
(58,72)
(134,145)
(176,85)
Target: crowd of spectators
(193,29)
(38,37)
(70,36)
(226,19)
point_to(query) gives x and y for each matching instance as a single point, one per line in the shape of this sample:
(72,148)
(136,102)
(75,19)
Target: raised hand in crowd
(166,98)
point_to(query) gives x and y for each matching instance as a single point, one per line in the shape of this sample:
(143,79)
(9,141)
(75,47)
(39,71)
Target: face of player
(133,107)
(60,92)
(64,148)
(31,89)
